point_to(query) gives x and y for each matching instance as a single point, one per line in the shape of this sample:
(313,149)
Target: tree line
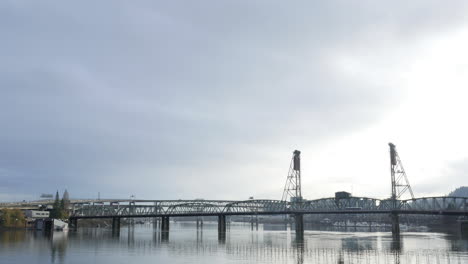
(12,218)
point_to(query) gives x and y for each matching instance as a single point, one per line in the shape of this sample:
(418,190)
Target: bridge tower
(400,183)
(292,188)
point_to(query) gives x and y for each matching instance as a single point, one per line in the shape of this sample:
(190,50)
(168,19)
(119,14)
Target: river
(268,244)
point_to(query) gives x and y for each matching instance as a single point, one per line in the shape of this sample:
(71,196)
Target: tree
(61,207)
(56,212)
(64,205)
(12,218)
(66,200)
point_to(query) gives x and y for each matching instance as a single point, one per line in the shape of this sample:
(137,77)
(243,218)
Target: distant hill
(460,192)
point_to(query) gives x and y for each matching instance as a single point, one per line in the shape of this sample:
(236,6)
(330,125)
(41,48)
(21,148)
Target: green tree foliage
(61,207)
(55,212)
(12,218)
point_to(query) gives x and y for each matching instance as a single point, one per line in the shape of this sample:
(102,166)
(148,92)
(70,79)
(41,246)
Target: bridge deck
(352,205)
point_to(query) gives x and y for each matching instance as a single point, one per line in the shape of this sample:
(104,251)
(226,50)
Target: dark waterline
(270,244)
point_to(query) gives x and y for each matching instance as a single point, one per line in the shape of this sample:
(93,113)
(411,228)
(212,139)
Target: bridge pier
(199,222)
(254,222)
(395,218)
(299,223)
(165,224)
(73,223)
(222,227)
(165,228)
(155,222)
(115,225)
(464,228)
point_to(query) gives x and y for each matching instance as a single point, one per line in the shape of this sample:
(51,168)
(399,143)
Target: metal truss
(400,183)
(436,204)
(352,205)
(150,208)
(292,188)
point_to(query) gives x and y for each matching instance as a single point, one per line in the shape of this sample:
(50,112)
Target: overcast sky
(208,99)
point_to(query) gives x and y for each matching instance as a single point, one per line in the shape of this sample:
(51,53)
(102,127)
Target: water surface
(269,244)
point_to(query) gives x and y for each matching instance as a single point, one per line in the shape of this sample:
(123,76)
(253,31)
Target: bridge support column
(165,228)
(299,221)
(464,229)
(115,225)
(165,224)
(395,218)
(73,223)
(199,222)
(254,222)
(155,222)
(222,227)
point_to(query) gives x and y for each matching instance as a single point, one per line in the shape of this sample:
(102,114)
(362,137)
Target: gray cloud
(175,100)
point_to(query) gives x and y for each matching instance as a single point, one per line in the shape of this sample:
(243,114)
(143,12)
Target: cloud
(203,99)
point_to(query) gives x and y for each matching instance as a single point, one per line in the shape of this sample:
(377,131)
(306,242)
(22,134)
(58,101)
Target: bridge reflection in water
(187,244)
(316,246)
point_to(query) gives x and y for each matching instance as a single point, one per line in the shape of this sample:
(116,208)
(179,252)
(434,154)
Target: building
(35,214)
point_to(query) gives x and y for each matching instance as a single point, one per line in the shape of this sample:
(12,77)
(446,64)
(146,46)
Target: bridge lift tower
(292,188)
(400,183)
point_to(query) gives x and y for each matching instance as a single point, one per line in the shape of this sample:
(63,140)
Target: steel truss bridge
(292,203)
(351,205)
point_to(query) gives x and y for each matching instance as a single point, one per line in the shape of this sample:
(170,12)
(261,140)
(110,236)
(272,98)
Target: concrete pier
(164,228)
(155,222)
(254,222)
(165,224)
(464,228)
(199,222)
(115,225)
(395,218)
(221,227)
(299,222)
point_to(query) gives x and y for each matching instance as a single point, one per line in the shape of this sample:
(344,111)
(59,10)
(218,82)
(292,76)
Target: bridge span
(164,209)
(352,205)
